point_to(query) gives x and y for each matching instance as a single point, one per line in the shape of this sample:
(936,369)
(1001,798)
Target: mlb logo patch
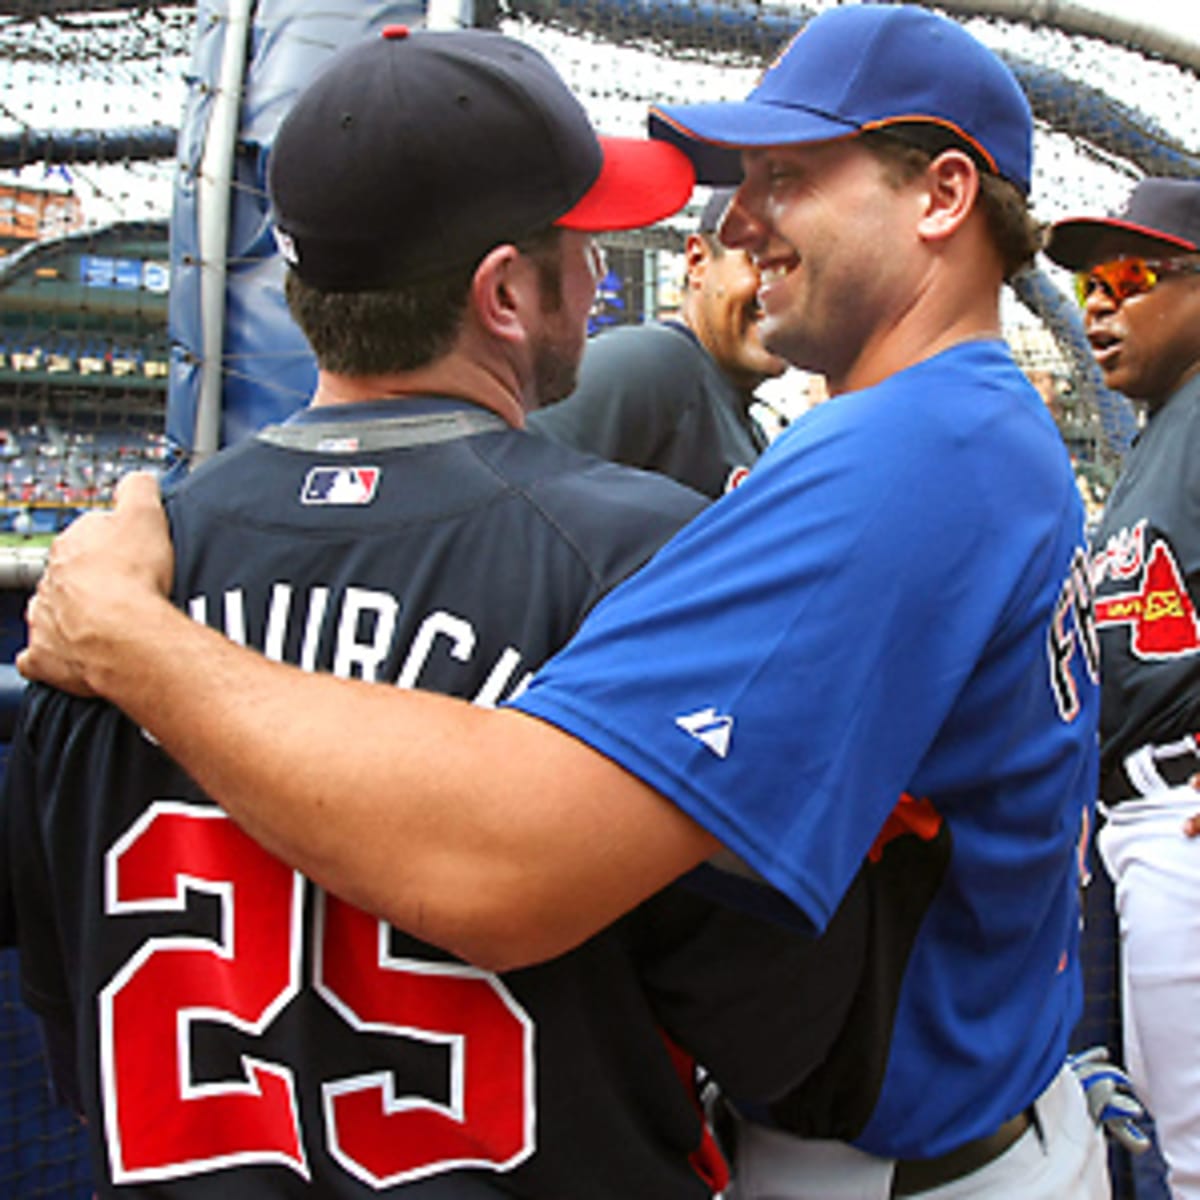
(340,485)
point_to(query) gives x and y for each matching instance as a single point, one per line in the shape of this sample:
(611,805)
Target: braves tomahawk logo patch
(1160,615)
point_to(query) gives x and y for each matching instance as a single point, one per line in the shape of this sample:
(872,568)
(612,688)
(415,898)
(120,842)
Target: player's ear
(504,293)
(697,254)
(951,184)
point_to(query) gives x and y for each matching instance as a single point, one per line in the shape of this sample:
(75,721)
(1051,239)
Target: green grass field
(15,539)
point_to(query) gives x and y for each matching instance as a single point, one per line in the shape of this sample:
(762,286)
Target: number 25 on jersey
(161,1122)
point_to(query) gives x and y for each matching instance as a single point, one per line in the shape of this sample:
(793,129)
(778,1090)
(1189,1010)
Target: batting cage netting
(141,314)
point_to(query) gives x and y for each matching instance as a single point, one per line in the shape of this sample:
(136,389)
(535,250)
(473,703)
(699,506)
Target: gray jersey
(651,396)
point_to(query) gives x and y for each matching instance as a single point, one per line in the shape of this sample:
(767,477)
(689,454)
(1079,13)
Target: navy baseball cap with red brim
(416,152)
(1161,216)
(857,68)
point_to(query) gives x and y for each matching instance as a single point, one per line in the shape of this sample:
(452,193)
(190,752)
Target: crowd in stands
(45,467)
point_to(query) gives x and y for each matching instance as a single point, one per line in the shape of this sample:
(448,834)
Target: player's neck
(442,380)
(943,317)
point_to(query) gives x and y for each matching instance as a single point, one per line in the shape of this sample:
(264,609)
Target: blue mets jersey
(880,649)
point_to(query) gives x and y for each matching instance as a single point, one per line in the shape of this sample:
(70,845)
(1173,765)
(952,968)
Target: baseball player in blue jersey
(1139,281)
(880,647)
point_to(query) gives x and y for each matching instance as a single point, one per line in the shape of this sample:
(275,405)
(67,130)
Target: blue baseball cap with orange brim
(857,68)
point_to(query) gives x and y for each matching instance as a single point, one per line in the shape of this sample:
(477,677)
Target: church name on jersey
(353,636)
(1151,598)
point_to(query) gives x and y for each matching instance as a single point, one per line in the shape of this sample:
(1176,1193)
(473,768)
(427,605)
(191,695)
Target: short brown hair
(404,327)
(907,149)
(379,332)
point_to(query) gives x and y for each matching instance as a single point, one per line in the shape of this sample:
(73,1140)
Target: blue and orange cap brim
(714,135)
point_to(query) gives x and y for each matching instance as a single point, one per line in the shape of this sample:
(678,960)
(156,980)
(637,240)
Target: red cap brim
(1075,242)
(641,182)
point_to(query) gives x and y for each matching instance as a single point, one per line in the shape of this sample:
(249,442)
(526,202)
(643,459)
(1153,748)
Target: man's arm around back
(489,833)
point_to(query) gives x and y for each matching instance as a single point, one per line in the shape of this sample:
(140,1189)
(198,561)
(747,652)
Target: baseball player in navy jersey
(675,396)
(1139,281)
(220,1022)
(879,648)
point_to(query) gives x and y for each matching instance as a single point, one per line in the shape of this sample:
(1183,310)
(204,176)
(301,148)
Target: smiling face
(1147,345)
(721,307)
(836,247)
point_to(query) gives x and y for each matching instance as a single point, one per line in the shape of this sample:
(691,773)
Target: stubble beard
(555,372)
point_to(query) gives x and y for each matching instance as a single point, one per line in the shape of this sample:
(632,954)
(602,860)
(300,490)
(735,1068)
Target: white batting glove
(1111,1099)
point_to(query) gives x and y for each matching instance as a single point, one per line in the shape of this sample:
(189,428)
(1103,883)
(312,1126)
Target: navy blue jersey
(1146,569)
(236,1028)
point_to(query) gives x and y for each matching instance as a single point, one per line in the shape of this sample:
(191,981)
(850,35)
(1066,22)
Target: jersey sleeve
(15,797)
(30,922)
(15,691)
(782,666)
(614,518)
(43,972)
(8,916)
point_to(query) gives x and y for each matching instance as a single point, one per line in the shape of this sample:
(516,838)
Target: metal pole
(1077,18)
(213,204)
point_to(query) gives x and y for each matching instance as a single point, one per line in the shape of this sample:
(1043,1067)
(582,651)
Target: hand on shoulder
(100,570)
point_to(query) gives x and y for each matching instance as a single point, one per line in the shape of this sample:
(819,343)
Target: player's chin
(755,352)
(769,365)
(1121,376)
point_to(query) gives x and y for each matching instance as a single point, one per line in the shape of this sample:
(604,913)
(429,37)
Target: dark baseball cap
(857,68)
(1161,216)
(418,151)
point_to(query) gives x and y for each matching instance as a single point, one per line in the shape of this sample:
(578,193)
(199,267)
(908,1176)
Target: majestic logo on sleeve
(340,485)
(710,728)
(1159,612)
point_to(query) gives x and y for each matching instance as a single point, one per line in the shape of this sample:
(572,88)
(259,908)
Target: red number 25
(161,1122)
